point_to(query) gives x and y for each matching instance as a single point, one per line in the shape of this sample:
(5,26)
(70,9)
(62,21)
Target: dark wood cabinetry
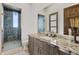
(70,13)
(37,47)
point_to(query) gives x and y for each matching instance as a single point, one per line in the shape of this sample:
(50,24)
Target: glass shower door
(11,25)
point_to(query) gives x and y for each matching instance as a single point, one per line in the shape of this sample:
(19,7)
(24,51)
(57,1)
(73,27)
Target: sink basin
(45,38)
(53,41)
(50,39)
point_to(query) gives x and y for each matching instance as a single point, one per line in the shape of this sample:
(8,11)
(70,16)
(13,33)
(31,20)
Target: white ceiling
(40,6)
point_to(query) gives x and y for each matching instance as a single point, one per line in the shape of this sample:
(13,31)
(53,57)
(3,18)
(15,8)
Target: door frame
(13,8)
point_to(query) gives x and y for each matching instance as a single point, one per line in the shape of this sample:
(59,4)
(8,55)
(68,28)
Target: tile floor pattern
(14,48)
(16,51)
(11,45)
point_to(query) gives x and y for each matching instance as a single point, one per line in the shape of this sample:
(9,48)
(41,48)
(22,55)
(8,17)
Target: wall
(36,9)
(1,27)
(57,7)
(41,12)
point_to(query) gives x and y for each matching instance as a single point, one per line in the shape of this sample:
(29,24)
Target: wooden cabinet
(70,13)
(41,47)
(38,47)
(41,50)
(54,50)
(31,45)
(46,48)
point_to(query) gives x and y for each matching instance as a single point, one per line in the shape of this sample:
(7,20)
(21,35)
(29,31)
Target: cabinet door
(46,48)
(36,46)
(53,50)
(71,12)
(41,51)
(30,45)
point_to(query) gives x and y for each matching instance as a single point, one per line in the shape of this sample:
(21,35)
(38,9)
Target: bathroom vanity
(41,44)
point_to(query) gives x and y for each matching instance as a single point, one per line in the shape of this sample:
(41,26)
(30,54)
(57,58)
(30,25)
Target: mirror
(47,22)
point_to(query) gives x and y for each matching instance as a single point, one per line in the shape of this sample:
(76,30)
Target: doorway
(12,28)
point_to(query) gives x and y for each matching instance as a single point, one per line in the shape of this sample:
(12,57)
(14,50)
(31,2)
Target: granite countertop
(64,42)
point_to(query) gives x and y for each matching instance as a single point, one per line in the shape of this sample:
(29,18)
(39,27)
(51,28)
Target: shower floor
(11,45)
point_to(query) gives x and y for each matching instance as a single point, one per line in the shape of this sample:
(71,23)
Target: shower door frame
(14,9)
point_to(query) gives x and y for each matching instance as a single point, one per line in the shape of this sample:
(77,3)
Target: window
(15,19)
(41,23)
(53,22)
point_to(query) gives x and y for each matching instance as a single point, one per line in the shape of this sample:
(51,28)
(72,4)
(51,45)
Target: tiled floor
(11,45)
(14,48)
(16,51)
